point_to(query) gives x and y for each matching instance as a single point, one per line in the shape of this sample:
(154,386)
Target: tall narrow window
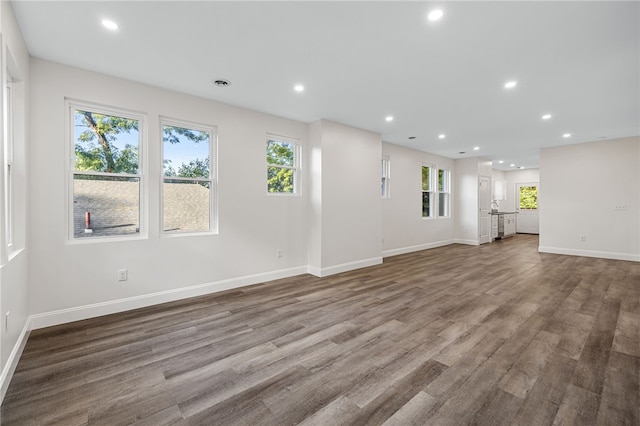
(106,174)
(9,169)
(428,192)
(443,193)
(282,165)
(188,184)
(385,176)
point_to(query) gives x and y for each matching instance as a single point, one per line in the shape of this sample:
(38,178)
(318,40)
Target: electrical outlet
(278,253)
(620,207)
(122,275)
(583,238)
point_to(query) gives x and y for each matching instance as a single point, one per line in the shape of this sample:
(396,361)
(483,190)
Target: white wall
(14,263)
(467,174)
(403,227)
(513,178)
(81,278)
(581,186)
(347,218)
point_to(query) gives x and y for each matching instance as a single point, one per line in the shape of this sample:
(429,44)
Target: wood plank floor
(492,335)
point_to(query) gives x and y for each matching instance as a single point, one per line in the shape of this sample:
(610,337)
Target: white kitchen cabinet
(509,224)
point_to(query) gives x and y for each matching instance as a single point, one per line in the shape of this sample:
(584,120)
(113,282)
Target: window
(443,193)
(385,176)
(188,185)
(282,165)
(528,197)
(428,193)
(106,173)
(9,166)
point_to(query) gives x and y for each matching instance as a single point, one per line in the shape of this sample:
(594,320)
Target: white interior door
(527,220)
(484,208)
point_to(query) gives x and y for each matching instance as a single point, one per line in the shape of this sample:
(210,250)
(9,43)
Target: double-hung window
(283,165)
(428,192)
(443,192)
(9,168)
(189,177)
(106,172)
(385,176)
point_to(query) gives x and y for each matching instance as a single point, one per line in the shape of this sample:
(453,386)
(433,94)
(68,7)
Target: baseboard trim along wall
(411,249)
(14,358)
(590,253)
(48,319)
(467,242)
(344,267)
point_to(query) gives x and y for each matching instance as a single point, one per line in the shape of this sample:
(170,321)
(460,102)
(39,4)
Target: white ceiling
(361,61)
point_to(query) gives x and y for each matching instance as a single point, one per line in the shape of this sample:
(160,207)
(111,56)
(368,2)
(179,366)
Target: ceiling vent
(222,82)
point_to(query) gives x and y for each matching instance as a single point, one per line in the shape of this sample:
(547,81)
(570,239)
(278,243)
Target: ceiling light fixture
(500,162)
(510,84)
(389,118)
(298,88)
(566,135)
(412,137)
(512,165)
(109,24)
(521,167)
(442,136)
(221,82)
(546,116)
(475,148)
(435,15)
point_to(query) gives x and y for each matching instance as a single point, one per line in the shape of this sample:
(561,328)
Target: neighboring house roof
(114,207)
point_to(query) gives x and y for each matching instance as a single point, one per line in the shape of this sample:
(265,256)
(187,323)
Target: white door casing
(527,220)
(484,209)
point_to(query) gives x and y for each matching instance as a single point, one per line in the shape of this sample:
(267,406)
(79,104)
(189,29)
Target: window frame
(431,190)
(212,180)
(386,176)
(446,190)
(297,164)
(9,167)
(72,105)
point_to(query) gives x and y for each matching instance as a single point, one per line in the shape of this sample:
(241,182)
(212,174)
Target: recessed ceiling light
(442,136)
(298,88)
(109,24)
(500,162)
(566,135)
(510,84)
(221,82)
(435,15)
(546,116)
(512,165)
(389,118)
(521,167)
(475,148)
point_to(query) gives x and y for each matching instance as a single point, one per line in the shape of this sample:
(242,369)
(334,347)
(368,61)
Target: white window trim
(433,207)
(9,165)
(447,190)
(297,165)
(72,105)
(386,175)
(213,176)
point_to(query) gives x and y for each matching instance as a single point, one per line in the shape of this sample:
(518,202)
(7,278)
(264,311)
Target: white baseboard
(48,319)
(466,242)
(590,253)
(14,357)
(344,267)
(411,249)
